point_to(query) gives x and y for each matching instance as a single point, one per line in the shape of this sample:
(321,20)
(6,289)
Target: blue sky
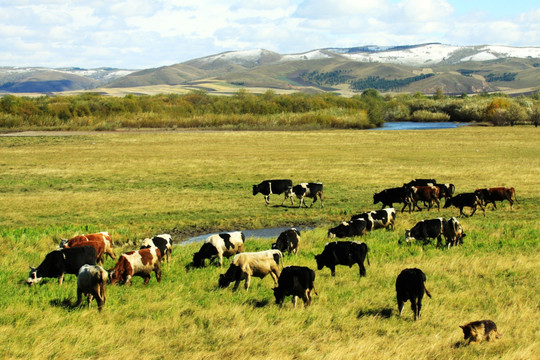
(137,34)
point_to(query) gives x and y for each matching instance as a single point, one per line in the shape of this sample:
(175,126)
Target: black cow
(62,261)
(426,229)
(378,219)
(393,195)
(410,285)
(269,187)
(343,253)
(446,190)
(421,182)
(310,190)
(348,229)
(296,281)
(465,200)
(288,240)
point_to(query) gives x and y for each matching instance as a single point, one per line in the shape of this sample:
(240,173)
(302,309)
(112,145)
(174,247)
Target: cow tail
(367,255)
(427,291)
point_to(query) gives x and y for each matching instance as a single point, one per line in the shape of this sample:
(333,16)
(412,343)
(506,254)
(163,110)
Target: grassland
(140,184)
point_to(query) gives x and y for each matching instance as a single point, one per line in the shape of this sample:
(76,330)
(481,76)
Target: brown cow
(102,236)
(137,263)
(429,194)
(490,195)
(96,244)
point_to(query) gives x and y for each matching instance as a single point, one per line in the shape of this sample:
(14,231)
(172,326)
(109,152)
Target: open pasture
(136,185)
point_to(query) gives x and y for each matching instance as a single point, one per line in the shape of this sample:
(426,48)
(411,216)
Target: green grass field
(136,185)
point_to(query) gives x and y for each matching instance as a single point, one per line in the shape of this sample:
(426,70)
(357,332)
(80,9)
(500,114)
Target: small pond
(409,125)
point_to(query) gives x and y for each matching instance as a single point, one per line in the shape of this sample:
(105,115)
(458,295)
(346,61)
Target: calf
(296,281)
(465,200)
(491,195)
(310,190)
(246,265)
(137,263)
(426,229)
(428,194)
(453,232)
(393,195)
(378,219)
(60,262)
(92,282)
(220,245)
(163,242)
(350,228)
(410,285)
(343,253)
(269,187)
(288,241)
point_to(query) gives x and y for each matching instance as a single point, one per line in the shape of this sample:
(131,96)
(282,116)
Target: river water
(258,233)
(409,125)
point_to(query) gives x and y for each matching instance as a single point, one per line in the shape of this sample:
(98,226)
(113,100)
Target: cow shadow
(257,303)
(384,313)
(65,304)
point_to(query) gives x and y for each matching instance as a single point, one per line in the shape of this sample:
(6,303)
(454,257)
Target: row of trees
(267,110)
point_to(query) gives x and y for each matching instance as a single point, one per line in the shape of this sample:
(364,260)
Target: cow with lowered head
(378,219)
(288,241)
(343,253)
(219,246)
(163,242)
(296,281)
(137,263)
(92,282)
(352,228)
(60,262)
(101,237)
(246,265)
(410,285)
(269,187)
(426,229)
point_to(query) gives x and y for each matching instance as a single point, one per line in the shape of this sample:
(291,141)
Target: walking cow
(296,281)
(269,187)
(410,285)
(310,190)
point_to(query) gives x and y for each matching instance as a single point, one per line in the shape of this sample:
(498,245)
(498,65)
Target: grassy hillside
(187,183)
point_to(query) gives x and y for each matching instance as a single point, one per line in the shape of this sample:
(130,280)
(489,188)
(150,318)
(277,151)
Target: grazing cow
(410,285)
(491,195)
(137,263)
(269,187)
(102,236)
(426,229)
(288,241)
(96,244)
(60,262)
(310,190)
(350,228)
(477,331)
(343,253)
(378,219)
(246,265)
(220,245)
(428,194)
(421,182)
(465,200)
(92,282)
(296,281)
(393,195)
(453,232)
(163,242)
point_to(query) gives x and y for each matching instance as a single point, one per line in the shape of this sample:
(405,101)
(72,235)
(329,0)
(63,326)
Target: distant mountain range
(411,68)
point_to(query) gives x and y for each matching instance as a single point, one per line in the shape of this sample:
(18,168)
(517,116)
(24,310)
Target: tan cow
(248,264)
(92,282)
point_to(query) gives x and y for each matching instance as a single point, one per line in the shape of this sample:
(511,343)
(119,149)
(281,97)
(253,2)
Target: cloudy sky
(136,34)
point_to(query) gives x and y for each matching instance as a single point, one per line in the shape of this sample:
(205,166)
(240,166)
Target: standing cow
(465,200)
(453,232)
(246,265)
(343,253)
(310,190)
(220,245)
(269,187)
(60,262)
(137,263)
(163,242)
(92,282)
(393,195)
(103,237)
(428,194)
(426,229)
(296,281)
(490,195)
(288,241)
(378,219)
(410,285)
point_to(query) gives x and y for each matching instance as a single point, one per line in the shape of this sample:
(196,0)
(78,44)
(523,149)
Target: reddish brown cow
(96,244)
(137,263)
(102,237)
(427,194)
(493,194)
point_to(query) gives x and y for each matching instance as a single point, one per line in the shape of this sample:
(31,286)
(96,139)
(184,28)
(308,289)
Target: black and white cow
(219,246)
(288,240)
(297,281)
(310,190)
(410,285)
(465,200)
(163,242)
(426,229)
(269,187)
(343,253)
(62,261)
(350,228)
(378,219)
(453,232)
(393,195)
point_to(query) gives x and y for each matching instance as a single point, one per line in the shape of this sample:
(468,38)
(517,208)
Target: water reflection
(409,125)
(258,233)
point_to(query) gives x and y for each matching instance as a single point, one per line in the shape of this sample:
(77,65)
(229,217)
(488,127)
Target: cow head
(33,277)
(63,243)
(408,237)
(198,260)
(255,189)
(320,262)
(376,198)
(114,276)
(279,294)
(448,202)
(223,281)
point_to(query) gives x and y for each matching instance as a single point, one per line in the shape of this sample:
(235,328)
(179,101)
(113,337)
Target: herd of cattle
(83,255)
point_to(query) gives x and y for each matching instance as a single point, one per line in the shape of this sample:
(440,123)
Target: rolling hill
(416,68)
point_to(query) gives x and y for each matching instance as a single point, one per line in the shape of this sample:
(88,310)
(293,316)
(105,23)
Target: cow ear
(462,326)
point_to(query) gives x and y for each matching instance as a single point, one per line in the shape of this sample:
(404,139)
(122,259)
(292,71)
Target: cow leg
(267,199)
(321,196)
(248,282)
(89,298)
(236,284)
(157,271)
(400,305)
(128,280)
(294,300)
(79,298)
(275,276)
(146,279)
(418,308)
(333,270)
(60,279)
(438,204)
(439,240)
(306,298)
(362,269)
(413,307)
